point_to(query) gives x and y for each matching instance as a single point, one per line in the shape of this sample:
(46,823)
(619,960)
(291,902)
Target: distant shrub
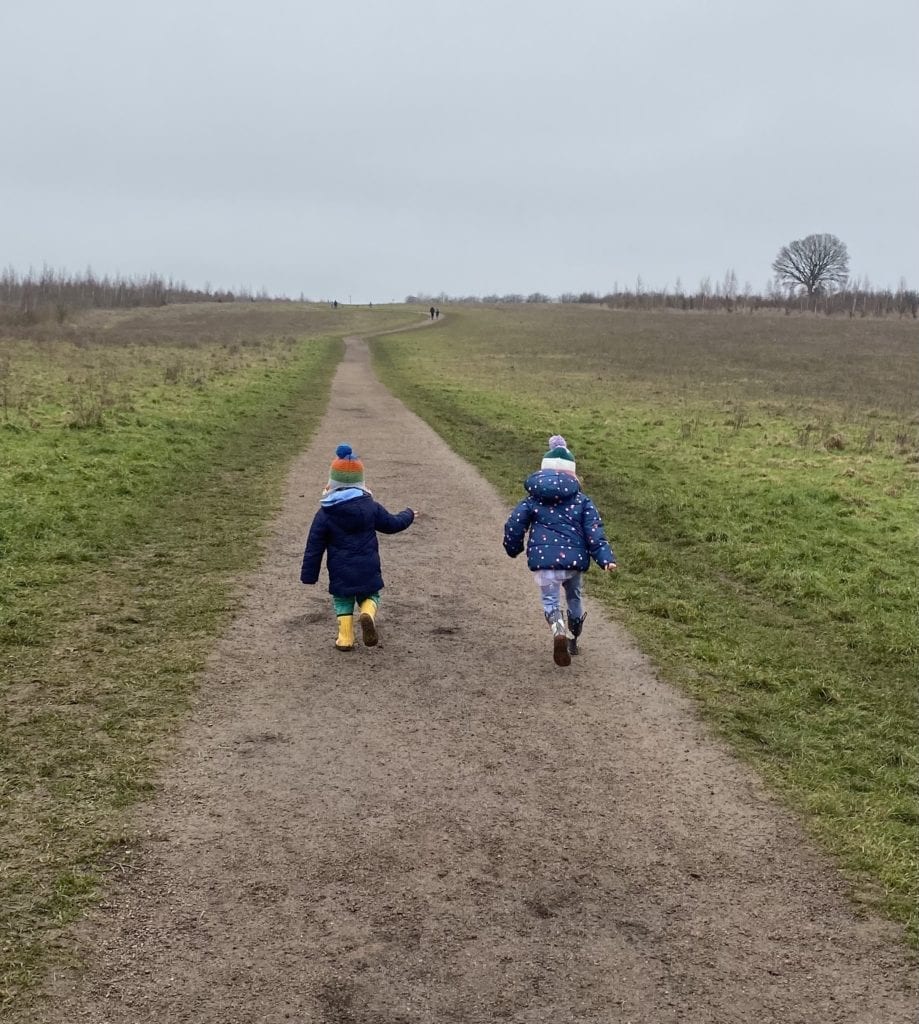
(87,416)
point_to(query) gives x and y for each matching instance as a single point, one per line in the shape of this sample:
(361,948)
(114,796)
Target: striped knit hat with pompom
(558,457)
(346,470)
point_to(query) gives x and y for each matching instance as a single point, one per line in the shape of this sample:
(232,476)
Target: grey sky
(372,149)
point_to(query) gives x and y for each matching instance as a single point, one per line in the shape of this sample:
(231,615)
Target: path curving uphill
(448,828)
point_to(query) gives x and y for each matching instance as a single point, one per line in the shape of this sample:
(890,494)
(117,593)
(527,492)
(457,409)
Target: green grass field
(758,478)
(140,455)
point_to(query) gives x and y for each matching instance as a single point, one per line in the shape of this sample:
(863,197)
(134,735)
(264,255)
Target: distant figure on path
(335,304)
(563,531)
(432,312)
(345,531)
(437,313)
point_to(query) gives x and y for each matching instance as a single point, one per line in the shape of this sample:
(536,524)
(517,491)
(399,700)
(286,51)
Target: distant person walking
(432,312)
(563,531)
(345,531)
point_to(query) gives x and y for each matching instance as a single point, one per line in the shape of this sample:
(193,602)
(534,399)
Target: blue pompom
(343,451)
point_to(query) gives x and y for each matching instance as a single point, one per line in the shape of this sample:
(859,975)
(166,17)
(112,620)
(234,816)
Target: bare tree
(814,262)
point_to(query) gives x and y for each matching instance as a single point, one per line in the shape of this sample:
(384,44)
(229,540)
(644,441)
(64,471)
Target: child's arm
(515,529)
(315,549)
(386,522)
(597,544)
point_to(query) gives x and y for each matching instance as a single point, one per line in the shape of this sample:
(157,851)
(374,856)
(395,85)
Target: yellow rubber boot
(345,641)
(368,622)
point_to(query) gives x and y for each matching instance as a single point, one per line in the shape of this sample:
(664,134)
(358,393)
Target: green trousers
(345,605)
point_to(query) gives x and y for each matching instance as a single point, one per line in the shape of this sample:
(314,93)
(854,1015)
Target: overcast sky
(368,150)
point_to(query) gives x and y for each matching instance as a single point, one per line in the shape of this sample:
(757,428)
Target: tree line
(811,275)
(34,295)
(857,299)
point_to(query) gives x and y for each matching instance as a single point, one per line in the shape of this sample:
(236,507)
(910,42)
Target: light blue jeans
(551,595)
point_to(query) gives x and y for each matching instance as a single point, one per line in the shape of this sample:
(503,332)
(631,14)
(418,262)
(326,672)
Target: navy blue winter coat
(565,529)
(346,532)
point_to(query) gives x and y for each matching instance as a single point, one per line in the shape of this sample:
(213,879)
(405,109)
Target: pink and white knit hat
(558,457)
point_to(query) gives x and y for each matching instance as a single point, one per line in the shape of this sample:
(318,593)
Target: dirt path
(450,828)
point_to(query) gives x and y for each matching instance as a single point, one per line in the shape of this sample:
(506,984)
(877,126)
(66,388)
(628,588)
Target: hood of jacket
(550,487)
(352,512)
(342,494)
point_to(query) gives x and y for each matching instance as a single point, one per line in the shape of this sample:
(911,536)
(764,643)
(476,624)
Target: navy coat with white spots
(565,529)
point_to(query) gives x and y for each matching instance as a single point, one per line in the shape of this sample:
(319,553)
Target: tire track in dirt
(450,828)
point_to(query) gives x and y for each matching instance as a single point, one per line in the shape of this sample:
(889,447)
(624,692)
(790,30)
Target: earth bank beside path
(450,828)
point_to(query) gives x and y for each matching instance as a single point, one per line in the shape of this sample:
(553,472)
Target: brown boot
(560,654)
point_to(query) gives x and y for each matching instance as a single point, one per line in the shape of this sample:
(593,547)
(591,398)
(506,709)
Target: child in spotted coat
(565,532)
(345,531)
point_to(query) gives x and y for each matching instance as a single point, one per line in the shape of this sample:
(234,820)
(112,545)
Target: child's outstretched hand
(612,567)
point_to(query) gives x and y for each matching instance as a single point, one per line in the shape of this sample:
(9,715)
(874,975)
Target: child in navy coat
(565,532)
(345,531)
